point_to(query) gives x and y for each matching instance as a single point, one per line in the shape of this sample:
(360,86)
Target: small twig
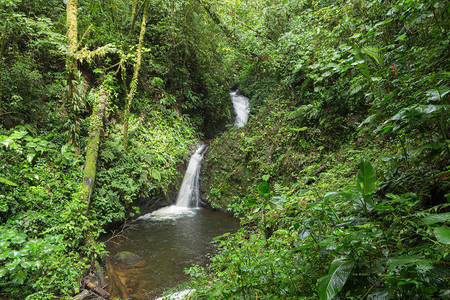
(368,291)
(119,234)
(9,112)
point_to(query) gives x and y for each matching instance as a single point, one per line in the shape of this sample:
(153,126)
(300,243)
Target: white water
(241,106)
(188,198)
(177,296)
(189,194)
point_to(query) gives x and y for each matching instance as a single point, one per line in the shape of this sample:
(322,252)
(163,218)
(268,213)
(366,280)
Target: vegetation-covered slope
(341,175)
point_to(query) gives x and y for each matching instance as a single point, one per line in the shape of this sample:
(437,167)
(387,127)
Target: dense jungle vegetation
(340,178)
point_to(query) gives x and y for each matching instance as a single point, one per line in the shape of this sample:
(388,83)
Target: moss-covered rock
(128,258)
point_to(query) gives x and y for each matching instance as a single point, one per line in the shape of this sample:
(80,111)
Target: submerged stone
(128,258)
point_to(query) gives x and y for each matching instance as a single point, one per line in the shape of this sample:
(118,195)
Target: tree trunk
(133,15)
(134,81)
(216,20)
(3,43)
(100,105)
(2,53)
(231,37)
(72,69)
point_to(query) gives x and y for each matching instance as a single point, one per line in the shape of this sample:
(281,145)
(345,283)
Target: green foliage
(386,247)
(331,284)
(37,268)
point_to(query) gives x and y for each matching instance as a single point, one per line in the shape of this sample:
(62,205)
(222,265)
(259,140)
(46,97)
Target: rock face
(128,258)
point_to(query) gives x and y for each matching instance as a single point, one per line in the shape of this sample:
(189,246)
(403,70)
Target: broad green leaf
(332,195)
(275,203)
(368,120)
(366,179)
(432,146)
(17,135)
(155,174)
(401,37)
(14,254)
(331,284)
(435,218)
(381,294)
(6,181)
(442,234)
(30,156)
(400,261)
(19,277)
(416,111)
(264,188)
(362,204)
(10,143)
(3,272)
(433,95)
(352,222)
(374,53)
(361,64)
(4,244)
(304,233)
(19,238)
(250,202)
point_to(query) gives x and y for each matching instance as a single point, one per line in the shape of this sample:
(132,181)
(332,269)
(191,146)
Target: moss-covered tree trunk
(216,20)
(72,69)
(134,81)
(133,15)
(234,40)
(95,130)
(3,43)
(2,52)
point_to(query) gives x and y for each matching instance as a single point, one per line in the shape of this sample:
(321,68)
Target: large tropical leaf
(406,260)
(366,179)
(442,234)
(331,284)
(435,218)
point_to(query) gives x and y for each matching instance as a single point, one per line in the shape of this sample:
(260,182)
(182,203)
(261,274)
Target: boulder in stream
(128,258)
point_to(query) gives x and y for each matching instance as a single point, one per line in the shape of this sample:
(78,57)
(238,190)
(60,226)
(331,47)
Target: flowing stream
(167,241)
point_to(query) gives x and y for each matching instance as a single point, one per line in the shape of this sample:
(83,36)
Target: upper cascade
(189,194)
(241,106)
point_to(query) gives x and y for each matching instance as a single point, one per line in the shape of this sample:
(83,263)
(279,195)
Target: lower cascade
(189,193)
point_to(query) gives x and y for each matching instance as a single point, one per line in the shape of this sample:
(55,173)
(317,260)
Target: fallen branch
(83,295)
(96,289)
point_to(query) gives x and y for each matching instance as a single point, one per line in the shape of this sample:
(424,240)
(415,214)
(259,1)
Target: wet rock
(128,258)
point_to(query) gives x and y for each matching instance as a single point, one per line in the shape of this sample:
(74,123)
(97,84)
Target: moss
(93,146)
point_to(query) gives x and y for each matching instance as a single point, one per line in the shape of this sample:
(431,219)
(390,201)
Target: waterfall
(241,106)
(189,194)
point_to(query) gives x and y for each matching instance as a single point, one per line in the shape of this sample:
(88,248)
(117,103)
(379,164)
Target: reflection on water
(169,241)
